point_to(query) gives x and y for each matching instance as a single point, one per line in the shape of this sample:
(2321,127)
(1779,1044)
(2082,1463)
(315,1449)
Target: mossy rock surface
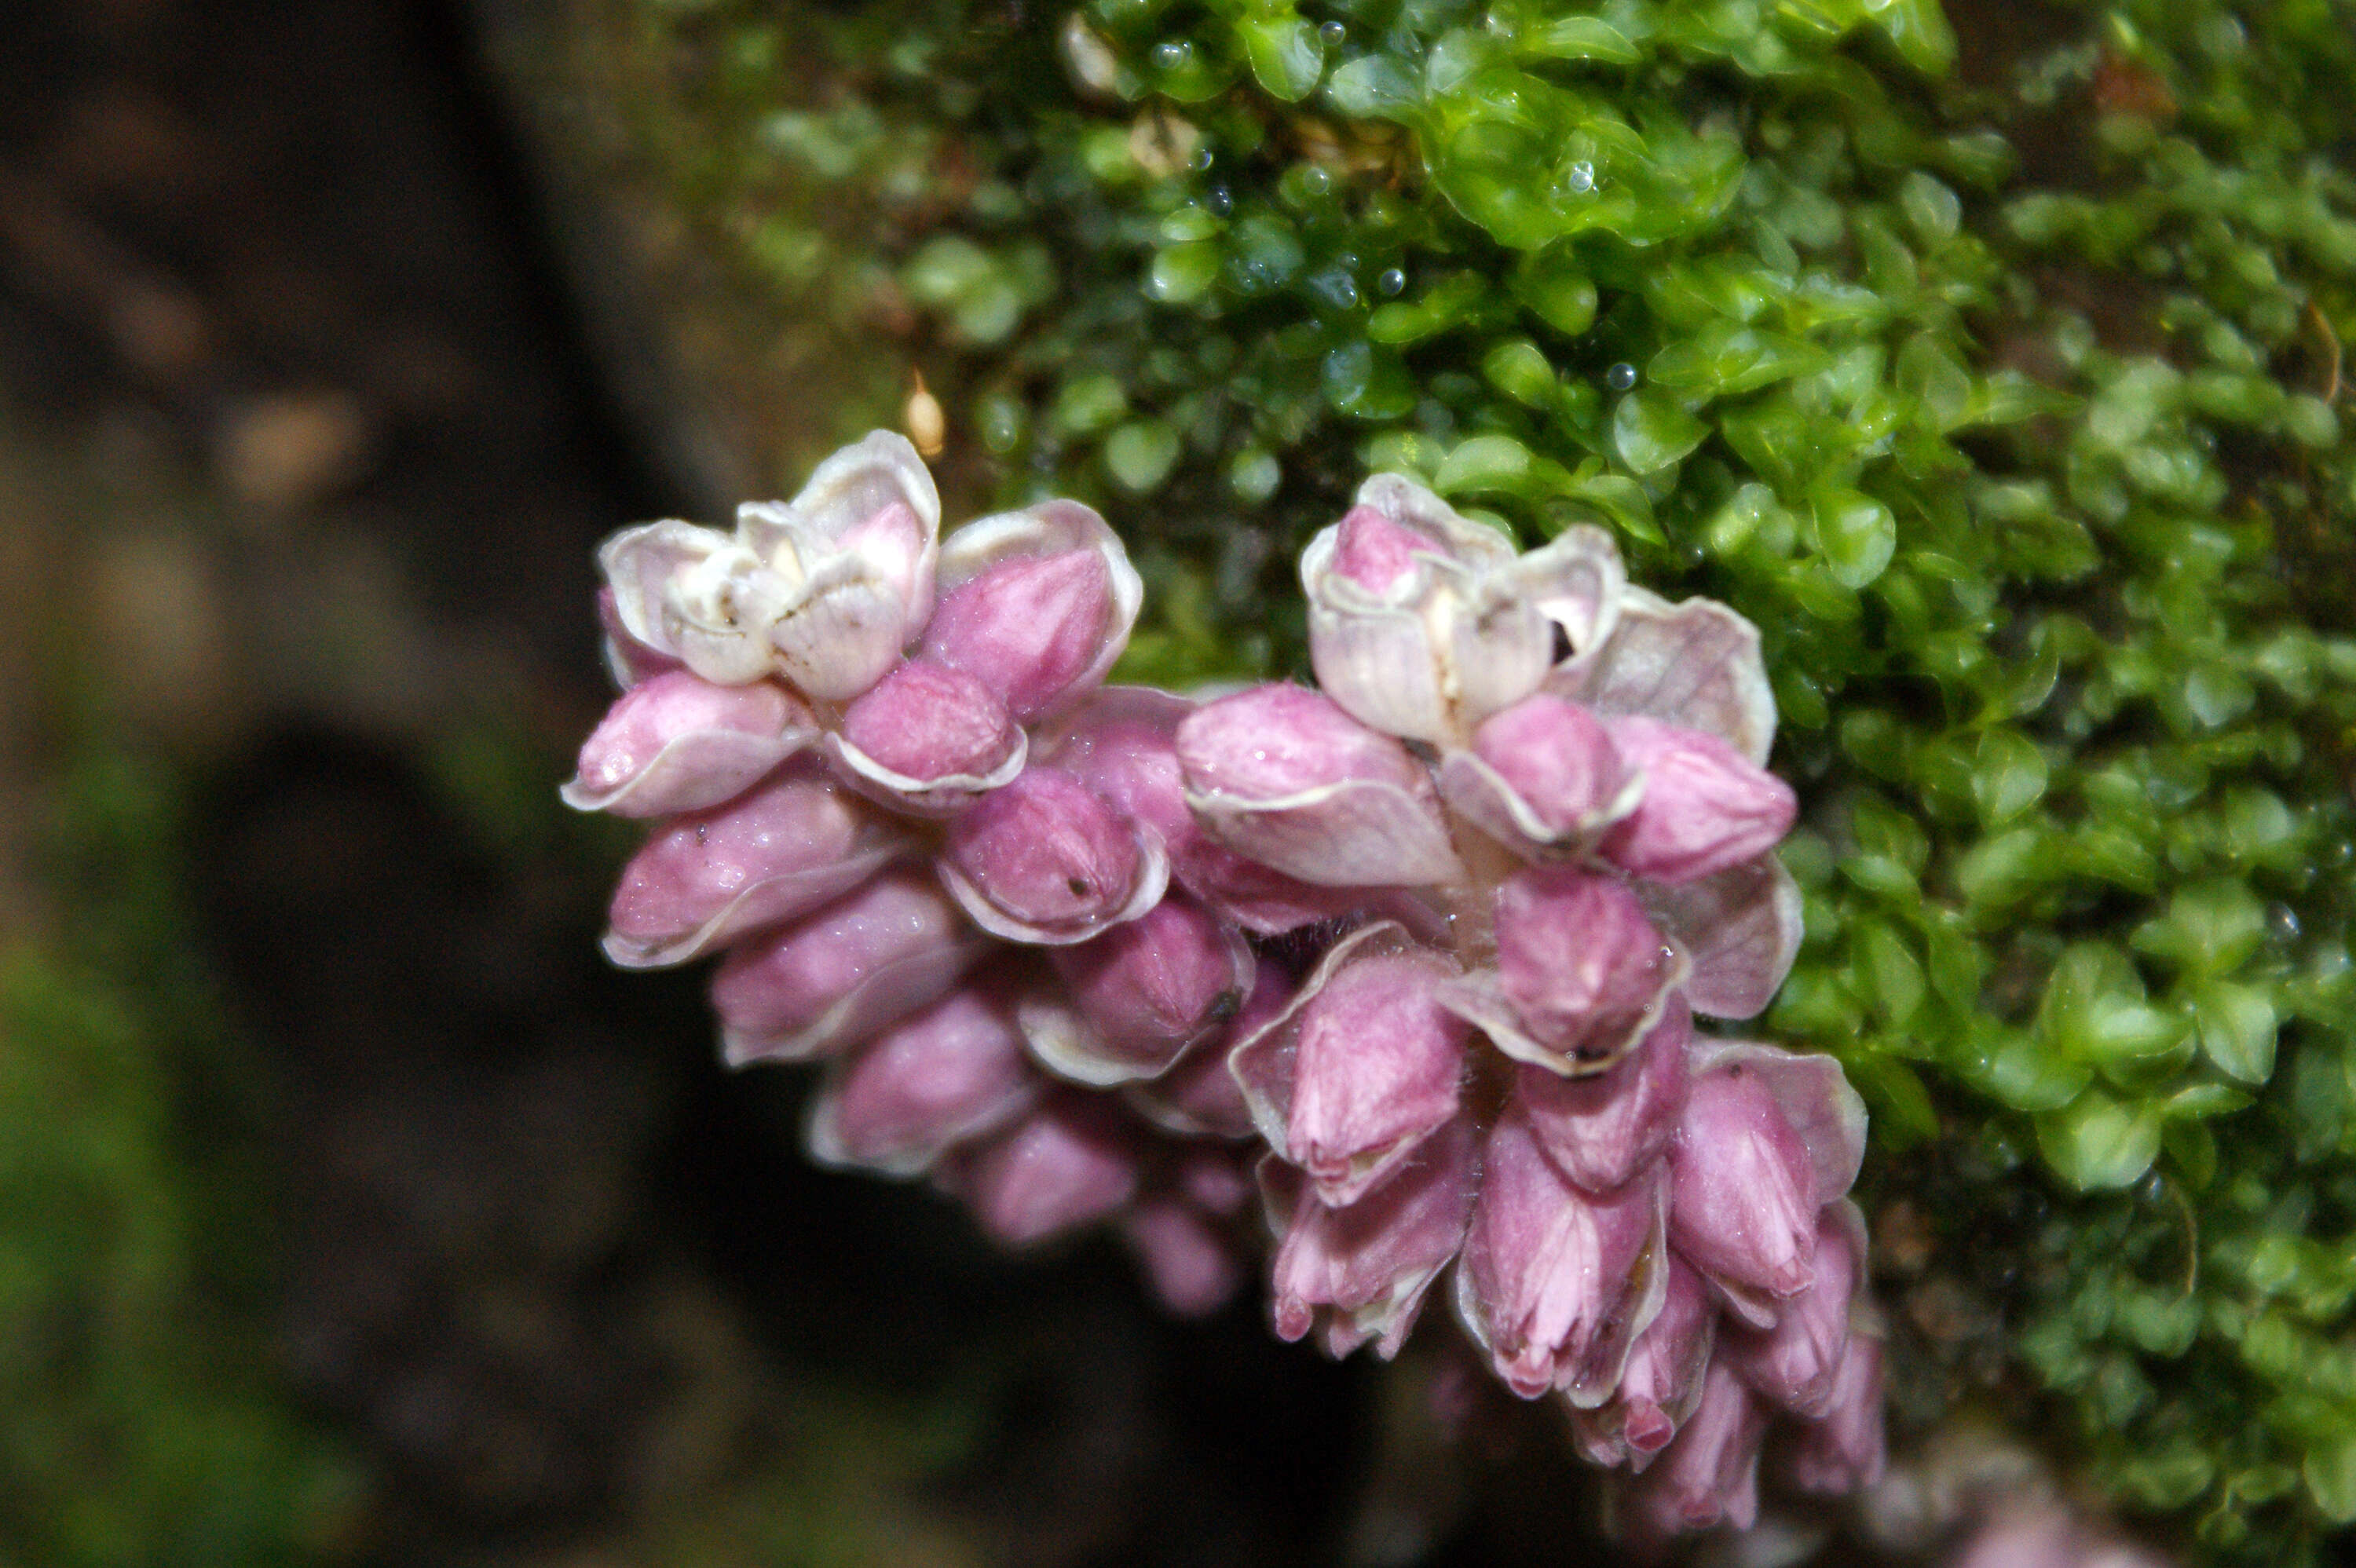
(1990,359)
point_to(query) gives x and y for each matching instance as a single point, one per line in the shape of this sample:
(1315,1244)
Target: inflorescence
(1417,952)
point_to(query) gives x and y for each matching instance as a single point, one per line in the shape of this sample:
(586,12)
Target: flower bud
(1704,807)
(1794,1363)
(771,855)
(1843,1451)
(928,739)
(1663,1381)
(1069,1163)
(1133,998)
(1711,1474)
(1601,1131)
(1555,1283)
(1367,1266)
(1416,622)
(1542,778)
(1044,860)
(1027,629)
(1198,1097)
(943,1076)
(1377,1071)
(1037,604)
(1743,1199)
(859,545)
(677,743)
(694,595)
(1281,776)
(867,960)
(1375,552)
(1192,1269)
(1583,966)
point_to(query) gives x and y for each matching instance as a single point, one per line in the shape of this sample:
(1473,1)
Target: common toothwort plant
(1426,943)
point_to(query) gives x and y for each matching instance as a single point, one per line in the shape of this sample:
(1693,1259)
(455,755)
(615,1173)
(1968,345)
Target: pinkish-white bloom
(1543,778)
(1601,1130)
(1281,776)
(837,976)
(1423,623)
(1069,1163)
(1363,1269)
(823,591)
(1557,1283)
(1581,973)
(1710,1475)
(1190,1263)
(1794,1363)
(943,1076)
(1704,807)
(928,741)
(677,742)
(1036,605)
(1743,1195)
(1131,1000)
(1663,1381)
(771,855)
(1843,1452)
(1044,860)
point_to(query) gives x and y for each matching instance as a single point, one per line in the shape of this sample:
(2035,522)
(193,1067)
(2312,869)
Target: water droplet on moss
(1620,377)
(1393,283)
(1219,199)
(1172,53)
(1581,177)
(1202,159)
(1332,33)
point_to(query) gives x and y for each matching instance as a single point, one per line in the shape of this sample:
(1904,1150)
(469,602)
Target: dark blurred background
(351,1209)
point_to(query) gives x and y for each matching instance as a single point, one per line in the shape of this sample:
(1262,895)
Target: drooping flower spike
(1421,947)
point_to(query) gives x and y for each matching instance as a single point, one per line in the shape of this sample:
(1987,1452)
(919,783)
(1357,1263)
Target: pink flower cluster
(1427,942)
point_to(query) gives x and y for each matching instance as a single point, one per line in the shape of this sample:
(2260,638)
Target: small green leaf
(1893,975)
(1551,284)
(1579,38)
(2237,1029)
(1855,533)
(2008,776)
(1930,205)
(1374,86)
(1651,431)
(1517,369)
(1622,503)
(1285,53)
(1182,273)
(2098,1143)
(2024,1073)
(2330,1472)
(1139,454)
(1484,462)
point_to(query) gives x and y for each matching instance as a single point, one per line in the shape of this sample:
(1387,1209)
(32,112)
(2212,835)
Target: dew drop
(1393,283)
(1219,199)
(1172,54)
(1315,181)
(1620,377)
(1201,159)
(1580,178)
(2282,922)
(1332,33)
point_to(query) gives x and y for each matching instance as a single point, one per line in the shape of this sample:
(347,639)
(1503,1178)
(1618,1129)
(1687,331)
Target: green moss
(143,1424)
(2009,404)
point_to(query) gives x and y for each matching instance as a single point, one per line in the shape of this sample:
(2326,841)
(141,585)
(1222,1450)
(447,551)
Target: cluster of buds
(1426,943)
